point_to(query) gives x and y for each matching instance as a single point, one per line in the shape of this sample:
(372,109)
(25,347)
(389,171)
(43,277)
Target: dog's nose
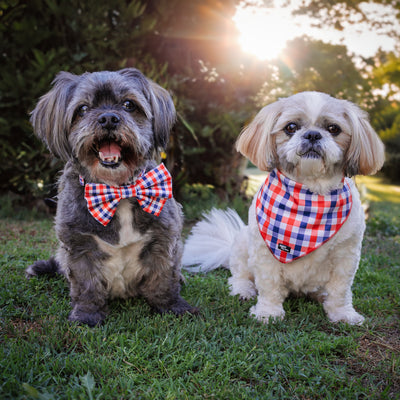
(109,120)
(312,136)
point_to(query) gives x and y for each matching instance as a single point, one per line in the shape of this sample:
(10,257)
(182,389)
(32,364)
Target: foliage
(222,353)
(387,71)
(315,65)
(190,48)
(385,113)
(38,39)
(216,118)
(198,199)
(391,138)
(344,12)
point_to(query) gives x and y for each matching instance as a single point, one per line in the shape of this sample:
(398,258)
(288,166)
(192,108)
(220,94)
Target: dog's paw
(179,307)
(184,310)
(347,315)
(90,319)
(268,313)
(242,287)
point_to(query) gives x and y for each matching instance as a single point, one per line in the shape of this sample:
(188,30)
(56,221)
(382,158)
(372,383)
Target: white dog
(306,223)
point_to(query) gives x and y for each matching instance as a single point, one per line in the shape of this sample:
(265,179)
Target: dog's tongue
(110,152)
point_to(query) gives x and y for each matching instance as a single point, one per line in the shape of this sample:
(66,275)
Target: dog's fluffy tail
(43,267)
(210,241)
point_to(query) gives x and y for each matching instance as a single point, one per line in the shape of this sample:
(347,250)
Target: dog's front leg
(88,292)
(269,306)
(338,303)
(160,281)
(271,292)
(161,289)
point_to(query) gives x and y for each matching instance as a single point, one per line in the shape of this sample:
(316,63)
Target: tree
(315,65)
(339,13)
(385,113)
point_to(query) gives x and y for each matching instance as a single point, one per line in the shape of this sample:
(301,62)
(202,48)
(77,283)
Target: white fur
(220,233)
(123,263)
(328,272)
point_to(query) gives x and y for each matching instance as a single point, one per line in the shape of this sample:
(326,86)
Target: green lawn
(221,354)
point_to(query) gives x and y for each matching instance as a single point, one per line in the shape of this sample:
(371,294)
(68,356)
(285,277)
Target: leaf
(89,383)
(136,9)
(30,390)
(39,56)
(33,392)
(188,127)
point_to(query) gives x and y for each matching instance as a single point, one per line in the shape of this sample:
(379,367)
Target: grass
(221,354)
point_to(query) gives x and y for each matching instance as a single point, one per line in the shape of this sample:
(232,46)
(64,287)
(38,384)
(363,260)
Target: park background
(221,61)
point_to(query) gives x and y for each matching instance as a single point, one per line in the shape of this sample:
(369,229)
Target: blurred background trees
(191,48)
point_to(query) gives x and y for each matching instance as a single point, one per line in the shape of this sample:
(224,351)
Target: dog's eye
(129,105)
(291,128)
(82,110)
(334,129)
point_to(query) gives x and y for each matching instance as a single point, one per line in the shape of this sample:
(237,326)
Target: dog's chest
(123,266)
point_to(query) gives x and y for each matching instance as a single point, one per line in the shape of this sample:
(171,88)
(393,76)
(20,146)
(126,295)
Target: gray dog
(118,226)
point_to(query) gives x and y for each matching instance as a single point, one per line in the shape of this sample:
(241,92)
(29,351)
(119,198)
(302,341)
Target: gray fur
(136,254)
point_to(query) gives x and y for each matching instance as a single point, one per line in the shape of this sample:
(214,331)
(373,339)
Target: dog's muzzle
(108,149)
(311,146)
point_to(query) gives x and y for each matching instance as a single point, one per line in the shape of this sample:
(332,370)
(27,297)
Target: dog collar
(293,221)
(151,190)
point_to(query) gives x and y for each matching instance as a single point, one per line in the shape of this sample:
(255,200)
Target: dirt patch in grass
(377,360)
(18,232)
(20,328)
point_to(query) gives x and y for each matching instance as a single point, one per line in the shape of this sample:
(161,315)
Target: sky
(265,31)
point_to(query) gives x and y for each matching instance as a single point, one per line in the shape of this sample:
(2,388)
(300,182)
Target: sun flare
(264,32)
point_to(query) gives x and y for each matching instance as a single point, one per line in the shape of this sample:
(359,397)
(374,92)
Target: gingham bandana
(151,190)
(293,221)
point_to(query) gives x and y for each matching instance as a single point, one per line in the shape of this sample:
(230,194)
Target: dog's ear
(366,153)
(163,113)
(161,103)
(50,120)
(256,141)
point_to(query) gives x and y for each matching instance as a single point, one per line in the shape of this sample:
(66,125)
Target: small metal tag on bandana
(293,221)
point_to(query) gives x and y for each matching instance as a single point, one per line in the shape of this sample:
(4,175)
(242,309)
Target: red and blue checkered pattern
(293,221)
(151,190)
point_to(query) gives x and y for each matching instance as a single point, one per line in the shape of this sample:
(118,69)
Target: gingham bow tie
(151,190)
(294,221)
